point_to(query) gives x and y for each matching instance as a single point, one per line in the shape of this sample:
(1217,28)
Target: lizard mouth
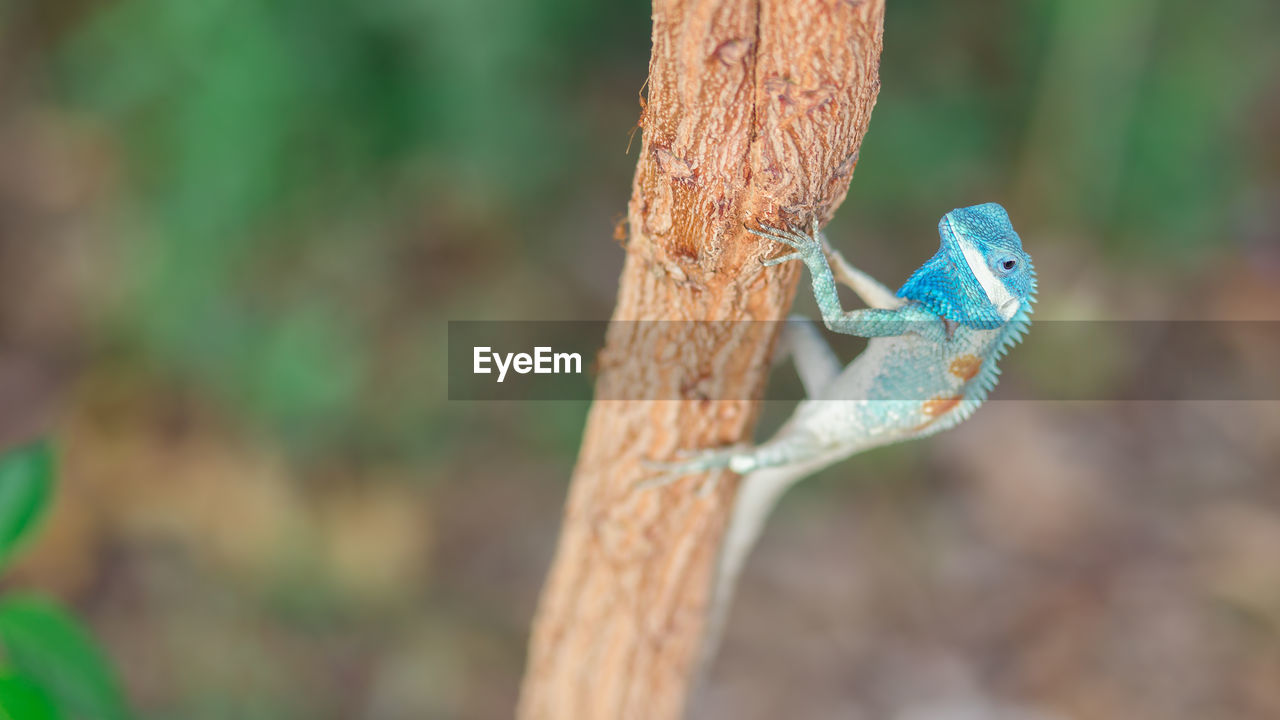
(1009,307)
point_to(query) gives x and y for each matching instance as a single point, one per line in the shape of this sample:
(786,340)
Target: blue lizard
(930,362)
(931,359)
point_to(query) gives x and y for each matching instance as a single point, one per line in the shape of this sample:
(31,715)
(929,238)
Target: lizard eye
(1008,264)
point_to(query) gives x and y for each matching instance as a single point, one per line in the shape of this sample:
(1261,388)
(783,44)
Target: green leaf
(26,478)
(47,645)
(21,699)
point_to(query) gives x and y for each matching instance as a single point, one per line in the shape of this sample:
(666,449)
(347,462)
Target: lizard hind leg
(783,449)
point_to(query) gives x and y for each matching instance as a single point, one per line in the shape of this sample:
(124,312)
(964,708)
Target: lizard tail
(758,494)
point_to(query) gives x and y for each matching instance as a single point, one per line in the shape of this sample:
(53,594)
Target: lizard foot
(700,462)
(808,248)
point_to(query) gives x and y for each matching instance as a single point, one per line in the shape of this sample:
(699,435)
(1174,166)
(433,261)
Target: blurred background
(232,232)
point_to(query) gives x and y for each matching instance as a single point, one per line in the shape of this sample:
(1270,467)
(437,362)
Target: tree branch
(755,114)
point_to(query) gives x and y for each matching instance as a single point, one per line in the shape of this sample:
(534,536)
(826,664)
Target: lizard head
(980,276)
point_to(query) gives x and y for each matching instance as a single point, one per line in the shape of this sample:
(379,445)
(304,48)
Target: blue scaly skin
(934,345)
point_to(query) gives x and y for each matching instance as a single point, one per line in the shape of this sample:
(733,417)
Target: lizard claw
(781,259)
(704,488)
(807,247)
(666,478)
(665,472)
(695,462)
(657,481)
(772,233)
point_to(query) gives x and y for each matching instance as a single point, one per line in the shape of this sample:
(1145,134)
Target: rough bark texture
(755,114)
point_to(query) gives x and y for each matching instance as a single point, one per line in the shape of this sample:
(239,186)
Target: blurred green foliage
(50,667)
(45,645)
(1123,121)
(21,699)
(273,146)
(26,478)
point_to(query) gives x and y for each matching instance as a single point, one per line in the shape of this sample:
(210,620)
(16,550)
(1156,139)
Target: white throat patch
(1004,301)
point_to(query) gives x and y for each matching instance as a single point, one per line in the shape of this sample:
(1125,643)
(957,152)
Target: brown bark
(755,114)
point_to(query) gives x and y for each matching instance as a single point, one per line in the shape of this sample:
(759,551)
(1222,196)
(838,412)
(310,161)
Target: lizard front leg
(869,322)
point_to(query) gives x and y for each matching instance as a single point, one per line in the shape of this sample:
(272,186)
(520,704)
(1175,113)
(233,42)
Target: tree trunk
(755,113)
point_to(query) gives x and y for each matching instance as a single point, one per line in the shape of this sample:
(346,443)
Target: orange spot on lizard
(966,367)
(937,406)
